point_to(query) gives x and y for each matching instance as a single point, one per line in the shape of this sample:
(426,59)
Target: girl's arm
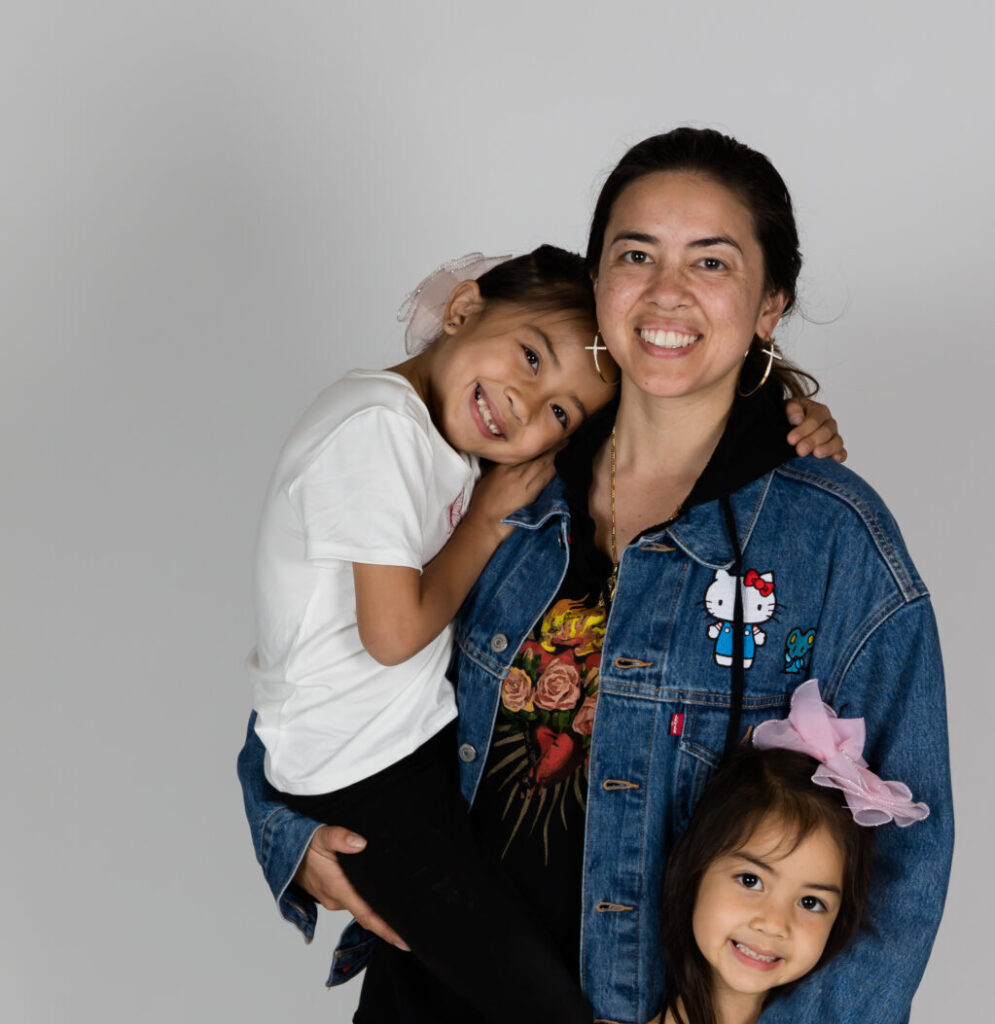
(400,610)
(814,431)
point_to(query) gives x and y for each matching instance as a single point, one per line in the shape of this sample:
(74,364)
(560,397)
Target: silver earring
(599,346)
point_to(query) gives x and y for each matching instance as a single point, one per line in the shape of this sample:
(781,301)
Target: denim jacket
(836,598)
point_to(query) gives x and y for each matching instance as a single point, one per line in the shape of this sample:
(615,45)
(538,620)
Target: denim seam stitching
(696,698)
(463,639)
(872,625)
(907,584)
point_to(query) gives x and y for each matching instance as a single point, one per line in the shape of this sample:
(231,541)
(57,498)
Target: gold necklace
(613,578)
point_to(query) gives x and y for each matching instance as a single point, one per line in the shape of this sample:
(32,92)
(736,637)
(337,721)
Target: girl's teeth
(668,339)
(485,414)
(754,955)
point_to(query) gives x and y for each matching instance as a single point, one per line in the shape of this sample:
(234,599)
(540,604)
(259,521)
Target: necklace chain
(613,578)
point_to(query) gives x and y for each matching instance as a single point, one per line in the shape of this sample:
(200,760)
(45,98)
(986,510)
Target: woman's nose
(668,287)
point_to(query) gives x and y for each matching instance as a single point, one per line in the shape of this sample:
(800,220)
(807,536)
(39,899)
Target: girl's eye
(812,903)
(711,263)
(561,414)
(531,358)
(750,881)
(635,256)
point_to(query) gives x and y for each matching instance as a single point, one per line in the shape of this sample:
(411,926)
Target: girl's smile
(764,912)
(508,382)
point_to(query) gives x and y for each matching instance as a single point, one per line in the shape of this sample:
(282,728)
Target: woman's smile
(681,286)
(661,341)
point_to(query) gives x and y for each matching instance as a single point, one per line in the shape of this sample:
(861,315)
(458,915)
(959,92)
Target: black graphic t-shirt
(531,802)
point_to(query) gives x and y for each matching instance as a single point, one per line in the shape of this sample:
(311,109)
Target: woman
(681,577)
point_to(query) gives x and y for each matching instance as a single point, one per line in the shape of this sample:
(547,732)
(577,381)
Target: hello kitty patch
(759,605)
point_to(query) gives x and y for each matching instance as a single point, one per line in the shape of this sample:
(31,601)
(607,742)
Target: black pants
(423,872)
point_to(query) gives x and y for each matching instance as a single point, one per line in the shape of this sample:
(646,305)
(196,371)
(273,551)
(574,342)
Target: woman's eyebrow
(698,243)
(705,243)
(634,236)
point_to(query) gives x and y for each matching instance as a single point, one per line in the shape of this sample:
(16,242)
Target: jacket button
(467,752)
(499,643)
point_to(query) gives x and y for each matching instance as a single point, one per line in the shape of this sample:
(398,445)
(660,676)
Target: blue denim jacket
(837,598)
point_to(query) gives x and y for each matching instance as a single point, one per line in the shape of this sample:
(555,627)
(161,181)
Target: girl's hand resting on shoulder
(814,432)
(320,875)
(505,488)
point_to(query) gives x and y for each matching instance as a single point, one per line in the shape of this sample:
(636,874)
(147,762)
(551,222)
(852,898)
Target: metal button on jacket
(467,752)
(499,643)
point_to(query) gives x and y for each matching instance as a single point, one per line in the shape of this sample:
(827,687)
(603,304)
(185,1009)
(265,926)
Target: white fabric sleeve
(363,497)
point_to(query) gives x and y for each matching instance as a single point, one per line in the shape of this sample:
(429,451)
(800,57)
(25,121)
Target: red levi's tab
(677,723)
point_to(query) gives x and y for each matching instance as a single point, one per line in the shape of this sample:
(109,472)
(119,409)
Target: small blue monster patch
(798,650)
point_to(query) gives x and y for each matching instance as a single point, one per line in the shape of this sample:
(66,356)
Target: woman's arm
(299,857)
(895,682)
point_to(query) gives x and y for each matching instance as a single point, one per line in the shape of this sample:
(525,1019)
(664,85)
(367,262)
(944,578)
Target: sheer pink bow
(813,728)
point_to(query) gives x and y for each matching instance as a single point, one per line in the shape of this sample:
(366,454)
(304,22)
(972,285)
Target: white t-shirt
(364,477)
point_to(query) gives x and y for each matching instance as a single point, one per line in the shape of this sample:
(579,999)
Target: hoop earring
(597,346)
(771,354)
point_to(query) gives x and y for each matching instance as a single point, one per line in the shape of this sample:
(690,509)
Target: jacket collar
(751,447)
(552,502)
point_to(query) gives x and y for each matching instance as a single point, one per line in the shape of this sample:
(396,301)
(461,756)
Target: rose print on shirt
(548,700)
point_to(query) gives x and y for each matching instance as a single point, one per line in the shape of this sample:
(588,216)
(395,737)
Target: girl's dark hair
(751,177)
(547,278)
(751,786)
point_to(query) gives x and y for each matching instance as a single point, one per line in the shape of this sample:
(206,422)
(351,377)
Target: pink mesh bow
(424,308)
(838,743)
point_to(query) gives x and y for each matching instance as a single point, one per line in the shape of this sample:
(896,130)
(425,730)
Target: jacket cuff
(285,839)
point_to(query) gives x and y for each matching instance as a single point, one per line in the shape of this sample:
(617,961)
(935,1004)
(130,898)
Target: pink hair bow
(838,743)
(424,308)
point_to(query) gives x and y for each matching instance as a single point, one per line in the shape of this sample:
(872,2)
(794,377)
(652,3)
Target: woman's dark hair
(547,278)
(751,177)
(752,786)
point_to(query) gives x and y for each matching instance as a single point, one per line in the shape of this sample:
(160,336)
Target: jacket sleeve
(892,678)
(280,836)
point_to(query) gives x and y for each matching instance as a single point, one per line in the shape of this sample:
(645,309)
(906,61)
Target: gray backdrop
(210,209)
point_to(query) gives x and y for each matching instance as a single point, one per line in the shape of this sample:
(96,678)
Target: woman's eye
(561,414)
(531,358)
(711,263)
(812,903)
(634,256)
(750,881)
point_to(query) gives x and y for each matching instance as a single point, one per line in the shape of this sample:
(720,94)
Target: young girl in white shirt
(770,880)
(368,545)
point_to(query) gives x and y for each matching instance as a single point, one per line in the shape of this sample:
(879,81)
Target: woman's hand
(320,875)
(814,429)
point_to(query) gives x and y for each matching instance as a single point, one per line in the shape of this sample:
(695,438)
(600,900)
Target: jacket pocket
(703,739)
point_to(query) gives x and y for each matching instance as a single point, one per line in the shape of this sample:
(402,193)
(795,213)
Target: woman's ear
(770,313)
(464,301)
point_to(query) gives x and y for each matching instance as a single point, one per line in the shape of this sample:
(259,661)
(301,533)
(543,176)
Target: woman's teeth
(485,413)
(753,955)
(668,339)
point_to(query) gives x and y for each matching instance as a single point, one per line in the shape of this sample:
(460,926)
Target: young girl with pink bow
(770,880)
